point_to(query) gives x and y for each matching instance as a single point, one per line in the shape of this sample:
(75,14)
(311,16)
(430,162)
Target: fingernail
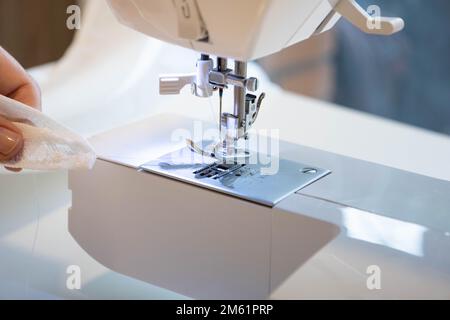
(8,141)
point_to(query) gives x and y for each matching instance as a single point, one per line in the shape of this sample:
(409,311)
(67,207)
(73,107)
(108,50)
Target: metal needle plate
(247,181)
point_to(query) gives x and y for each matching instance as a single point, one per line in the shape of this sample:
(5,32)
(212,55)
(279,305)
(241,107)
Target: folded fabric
(48,145)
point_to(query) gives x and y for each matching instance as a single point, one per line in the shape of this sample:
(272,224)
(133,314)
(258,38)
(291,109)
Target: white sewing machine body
(205,238)
(318,242)
(242,30)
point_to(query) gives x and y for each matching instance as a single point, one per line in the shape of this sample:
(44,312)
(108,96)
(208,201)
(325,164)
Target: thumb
(11,140)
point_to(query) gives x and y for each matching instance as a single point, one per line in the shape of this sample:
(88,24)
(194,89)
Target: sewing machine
(249,30)
(225,211)
(264,27)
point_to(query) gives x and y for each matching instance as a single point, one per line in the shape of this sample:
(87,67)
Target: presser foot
(221,151)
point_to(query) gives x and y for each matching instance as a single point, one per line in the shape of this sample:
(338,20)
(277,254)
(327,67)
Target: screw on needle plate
(309,171)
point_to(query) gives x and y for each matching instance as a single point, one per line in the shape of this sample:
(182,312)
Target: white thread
(212,109)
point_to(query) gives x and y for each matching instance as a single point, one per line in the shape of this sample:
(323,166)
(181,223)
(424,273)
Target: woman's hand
(16,84)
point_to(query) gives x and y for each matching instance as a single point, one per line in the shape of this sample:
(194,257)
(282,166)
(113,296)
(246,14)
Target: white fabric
(47,144)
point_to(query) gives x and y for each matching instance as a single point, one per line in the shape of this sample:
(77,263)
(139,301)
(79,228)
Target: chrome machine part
(222,66)
(240,70)
(232,126)
(245,106)
(218,151)
(243,178)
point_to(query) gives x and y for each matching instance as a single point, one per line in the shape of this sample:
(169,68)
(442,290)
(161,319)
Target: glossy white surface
(36,248)
(193,241)
(109,78)
(265,26)
(364,203)
(243,30)
(414,269)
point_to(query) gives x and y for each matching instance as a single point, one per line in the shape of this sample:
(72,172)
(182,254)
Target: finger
(11,141)
(28,94)
(15,83)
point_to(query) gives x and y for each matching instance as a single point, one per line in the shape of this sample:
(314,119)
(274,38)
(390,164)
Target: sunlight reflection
(399,235)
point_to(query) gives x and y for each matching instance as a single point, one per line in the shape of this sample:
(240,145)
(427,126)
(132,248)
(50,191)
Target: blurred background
(34,31)
(404,78)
